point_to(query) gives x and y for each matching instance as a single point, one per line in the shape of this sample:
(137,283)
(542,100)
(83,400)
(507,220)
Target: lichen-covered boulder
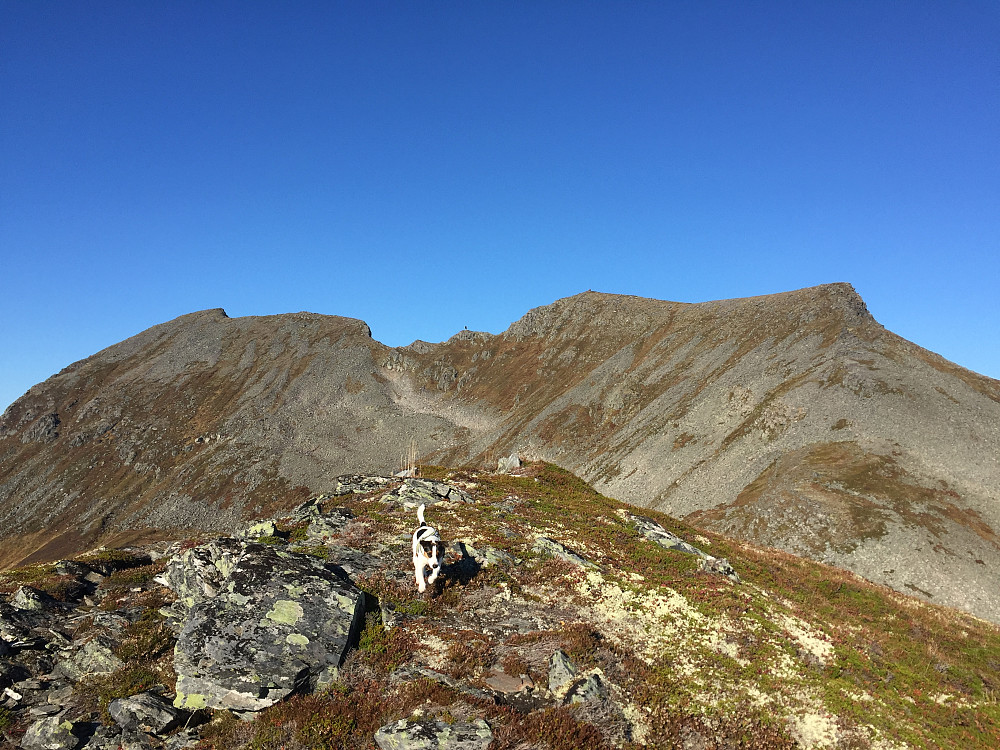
(50,733)
(30,599)
(277,622)
(427,734)
(92,658)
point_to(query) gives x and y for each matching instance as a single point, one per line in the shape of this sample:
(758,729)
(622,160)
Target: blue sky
(427,166)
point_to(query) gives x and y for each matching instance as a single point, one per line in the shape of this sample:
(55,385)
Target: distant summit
(791,420)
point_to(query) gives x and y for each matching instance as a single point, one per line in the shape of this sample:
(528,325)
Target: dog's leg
(419,575)
(433,576)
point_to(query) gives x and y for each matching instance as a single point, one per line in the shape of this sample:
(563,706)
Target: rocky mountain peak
(792,420)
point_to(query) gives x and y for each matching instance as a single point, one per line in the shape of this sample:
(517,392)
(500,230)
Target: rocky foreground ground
(563,619)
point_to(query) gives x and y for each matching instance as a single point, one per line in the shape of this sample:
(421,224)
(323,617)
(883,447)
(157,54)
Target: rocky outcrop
(655,533)
(259,622)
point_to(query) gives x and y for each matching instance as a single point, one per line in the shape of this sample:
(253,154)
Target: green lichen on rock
(285,612)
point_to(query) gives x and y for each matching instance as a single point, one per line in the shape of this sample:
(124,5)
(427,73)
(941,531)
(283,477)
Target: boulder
(562,673)
(92,658)
(414,492)
(428,734)
(508,464)
(198,574)
(31,599)
(258,530)
(50,733)
(148,712)
(277,622)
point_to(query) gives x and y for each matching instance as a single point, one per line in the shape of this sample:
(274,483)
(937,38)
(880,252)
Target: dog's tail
(420,515)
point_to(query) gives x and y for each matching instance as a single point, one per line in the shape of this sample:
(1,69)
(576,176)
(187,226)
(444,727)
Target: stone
(719,566)
(484,555)
(545,546)
(277,622)
(508,464)
(199,573)
(590,689)
(50,733)
(502,682)
(147,711)
(31,599)
(324,527)
(187,738)
(90,659)
(428,734)
(361,484)
(562,673)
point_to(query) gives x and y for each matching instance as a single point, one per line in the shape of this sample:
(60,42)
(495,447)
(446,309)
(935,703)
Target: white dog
(427,551)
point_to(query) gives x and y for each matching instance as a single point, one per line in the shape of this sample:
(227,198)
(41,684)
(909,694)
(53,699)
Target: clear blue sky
(426,166)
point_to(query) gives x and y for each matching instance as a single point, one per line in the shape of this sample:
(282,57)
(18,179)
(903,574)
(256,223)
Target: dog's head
(427,546)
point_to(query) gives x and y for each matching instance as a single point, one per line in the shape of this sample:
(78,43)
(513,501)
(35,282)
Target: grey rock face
(276,622)
(50,733)
(198,574)
(413,492)
(426,734)
(146,711)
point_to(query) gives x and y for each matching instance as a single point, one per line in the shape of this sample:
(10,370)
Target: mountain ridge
(793,420)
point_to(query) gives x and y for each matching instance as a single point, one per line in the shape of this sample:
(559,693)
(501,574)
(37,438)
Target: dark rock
(361,484)
(146,711)
(44,430)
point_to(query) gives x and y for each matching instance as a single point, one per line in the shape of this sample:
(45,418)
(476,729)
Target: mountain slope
(792,420)
(562,620)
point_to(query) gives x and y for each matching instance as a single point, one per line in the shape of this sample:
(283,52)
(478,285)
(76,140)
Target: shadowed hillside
(791,420)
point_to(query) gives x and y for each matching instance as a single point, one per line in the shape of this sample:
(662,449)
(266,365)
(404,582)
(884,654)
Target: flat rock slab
(262,623)
(427,734)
